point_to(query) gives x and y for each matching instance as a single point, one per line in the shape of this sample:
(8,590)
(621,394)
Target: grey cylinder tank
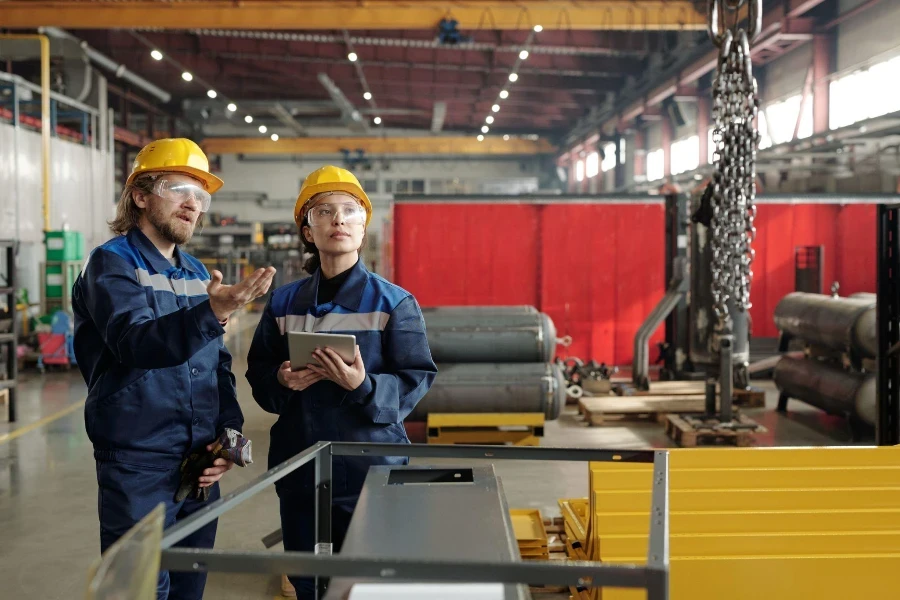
(842,324)
(489,335)
(703,317)
(829,388)
(491,388)
(518,309)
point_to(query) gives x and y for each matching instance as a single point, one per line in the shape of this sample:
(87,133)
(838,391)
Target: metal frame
(887,425)
(653,577)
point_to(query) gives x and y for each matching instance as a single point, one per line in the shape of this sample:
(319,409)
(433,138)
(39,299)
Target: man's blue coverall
(390,332)
(159,385)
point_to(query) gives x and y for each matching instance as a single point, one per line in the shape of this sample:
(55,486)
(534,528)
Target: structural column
(822,51)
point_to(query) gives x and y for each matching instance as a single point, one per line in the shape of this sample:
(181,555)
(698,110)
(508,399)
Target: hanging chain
(735,106)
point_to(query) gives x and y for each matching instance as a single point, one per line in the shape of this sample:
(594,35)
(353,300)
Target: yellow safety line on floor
(8,437)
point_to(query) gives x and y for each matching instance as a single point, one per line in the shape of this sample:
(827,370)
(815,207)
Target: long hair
(128,214)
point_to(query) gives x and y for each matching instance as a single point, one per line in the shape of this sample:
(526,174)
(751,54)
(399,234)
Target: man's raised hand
(225,299)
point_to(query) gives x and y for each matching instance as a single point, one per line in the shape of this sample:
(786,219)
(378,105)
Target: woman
(365,401)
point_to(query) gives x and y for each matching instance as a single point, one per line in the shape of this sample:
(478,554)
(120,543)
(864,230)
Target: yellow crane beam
(472,15)
(447,145)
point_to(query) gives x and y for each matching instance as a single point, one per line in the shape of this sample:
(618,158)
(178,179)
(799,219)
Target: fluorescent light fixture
(211,93)
(367,95)
(187,76)
(156,54)
(263,129)
(352,56)
(231,106)
(248,119)
(513,77)
(274,137)
(377,120)
(523,54)
(504,94)
(495,108)
(489,119)
(538,29)
(480,138)
(485,129)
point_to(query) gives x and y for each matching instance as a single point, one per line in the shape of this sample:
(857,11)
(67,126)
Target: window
(609,158)
(579,171)
(592,165)
(370,186)
(655,165)
(864,94)
(780,118)
(685,155)
(621,151)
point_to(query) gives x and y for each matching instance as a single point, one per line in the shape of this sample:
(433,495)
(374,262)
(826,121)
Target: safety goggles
(345,212)
(179,193)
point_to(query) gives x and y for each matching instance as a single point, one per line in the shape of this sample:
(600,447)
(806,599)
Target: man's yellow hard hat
(330,179)
(175,155)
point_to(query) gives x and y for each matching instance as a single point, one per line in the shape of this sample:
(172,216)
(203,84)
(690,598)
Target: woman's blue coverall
(390,332)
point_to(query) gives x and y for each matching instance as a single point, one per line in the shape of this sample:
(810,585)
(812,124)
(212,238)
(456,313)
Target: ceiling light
(506,138)
(485,129)
(352,56)
(495,108)
(489,119)
(480,138)
(513,77)
(523,54)
(248,119)
(367,95)
(274,137)
(504,94)
(538,29)
(263,129)
(232,106)
(211,93)
(156,54)
(187,76)
(377,120)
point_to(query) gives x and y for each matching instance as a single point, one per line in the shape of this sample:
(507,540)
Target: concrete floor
(48,497)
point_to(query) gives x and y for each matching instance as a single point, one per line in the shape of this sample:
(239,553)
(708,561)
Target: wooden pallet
(518,429)
(681,429)
(752,398)
(613,409)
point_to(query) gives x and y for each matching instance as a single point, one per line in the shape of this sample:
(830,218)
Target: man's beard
(166,227)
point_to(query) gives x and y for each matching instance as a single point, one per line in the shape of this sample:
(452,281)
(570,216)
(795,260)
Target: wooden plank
(752,398)
(681,429)
(597,411)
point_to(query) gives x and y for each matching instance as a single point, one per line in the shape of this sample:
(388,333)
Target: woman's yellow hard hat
(330,179)
(175,155)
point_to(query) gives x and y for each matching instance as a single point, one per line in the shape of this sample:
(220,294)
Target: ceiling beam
(377,145)
(344,14)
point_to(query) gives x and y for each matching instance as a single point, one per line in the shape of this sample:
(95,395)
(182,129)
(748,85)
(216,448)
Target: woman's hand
(297,380)
(334,368)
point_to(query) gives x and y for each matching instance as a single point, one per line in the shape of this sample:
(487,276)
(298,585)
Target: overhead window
(592,165)
(685,155)
(656,167)
(609,158)
(579,171)
(864,94)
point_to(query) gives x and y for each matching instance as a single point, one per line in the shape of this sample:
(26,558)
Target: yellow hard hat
(330,179)
(175,155)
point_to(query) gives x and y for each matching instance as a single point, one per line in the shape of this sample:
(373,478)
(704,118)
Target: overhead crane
(678,15)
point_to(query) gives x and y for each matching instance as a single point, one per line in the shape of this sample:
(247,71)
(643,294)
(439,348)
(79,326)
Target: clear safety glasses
(180,192)
(323,214)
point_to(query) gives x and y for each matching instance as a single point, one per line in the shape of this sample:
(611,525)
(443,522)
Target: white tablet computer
(301,346)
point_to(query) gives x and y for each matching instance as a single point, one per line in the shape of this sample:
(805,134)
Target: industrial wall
(82,197)
(598,268)
(868,34)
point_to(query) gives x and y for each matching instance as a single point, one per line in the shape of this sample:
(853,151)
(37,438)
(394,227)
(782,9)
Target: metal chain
(735,106)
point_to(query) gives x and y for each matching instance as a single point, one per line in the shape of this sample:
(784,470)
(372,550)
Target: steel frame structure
(653,577)
(887,319)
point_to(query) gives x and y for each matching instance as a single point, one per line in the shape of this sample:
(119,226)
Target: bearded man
(149,326)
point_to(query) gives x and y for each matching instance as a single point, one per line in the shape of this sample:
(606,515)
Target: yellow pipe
(45,115)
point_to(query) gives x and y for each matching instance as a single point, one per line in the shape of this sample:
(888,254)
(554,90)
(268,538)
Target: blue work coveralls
(390,332)
(159,385)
